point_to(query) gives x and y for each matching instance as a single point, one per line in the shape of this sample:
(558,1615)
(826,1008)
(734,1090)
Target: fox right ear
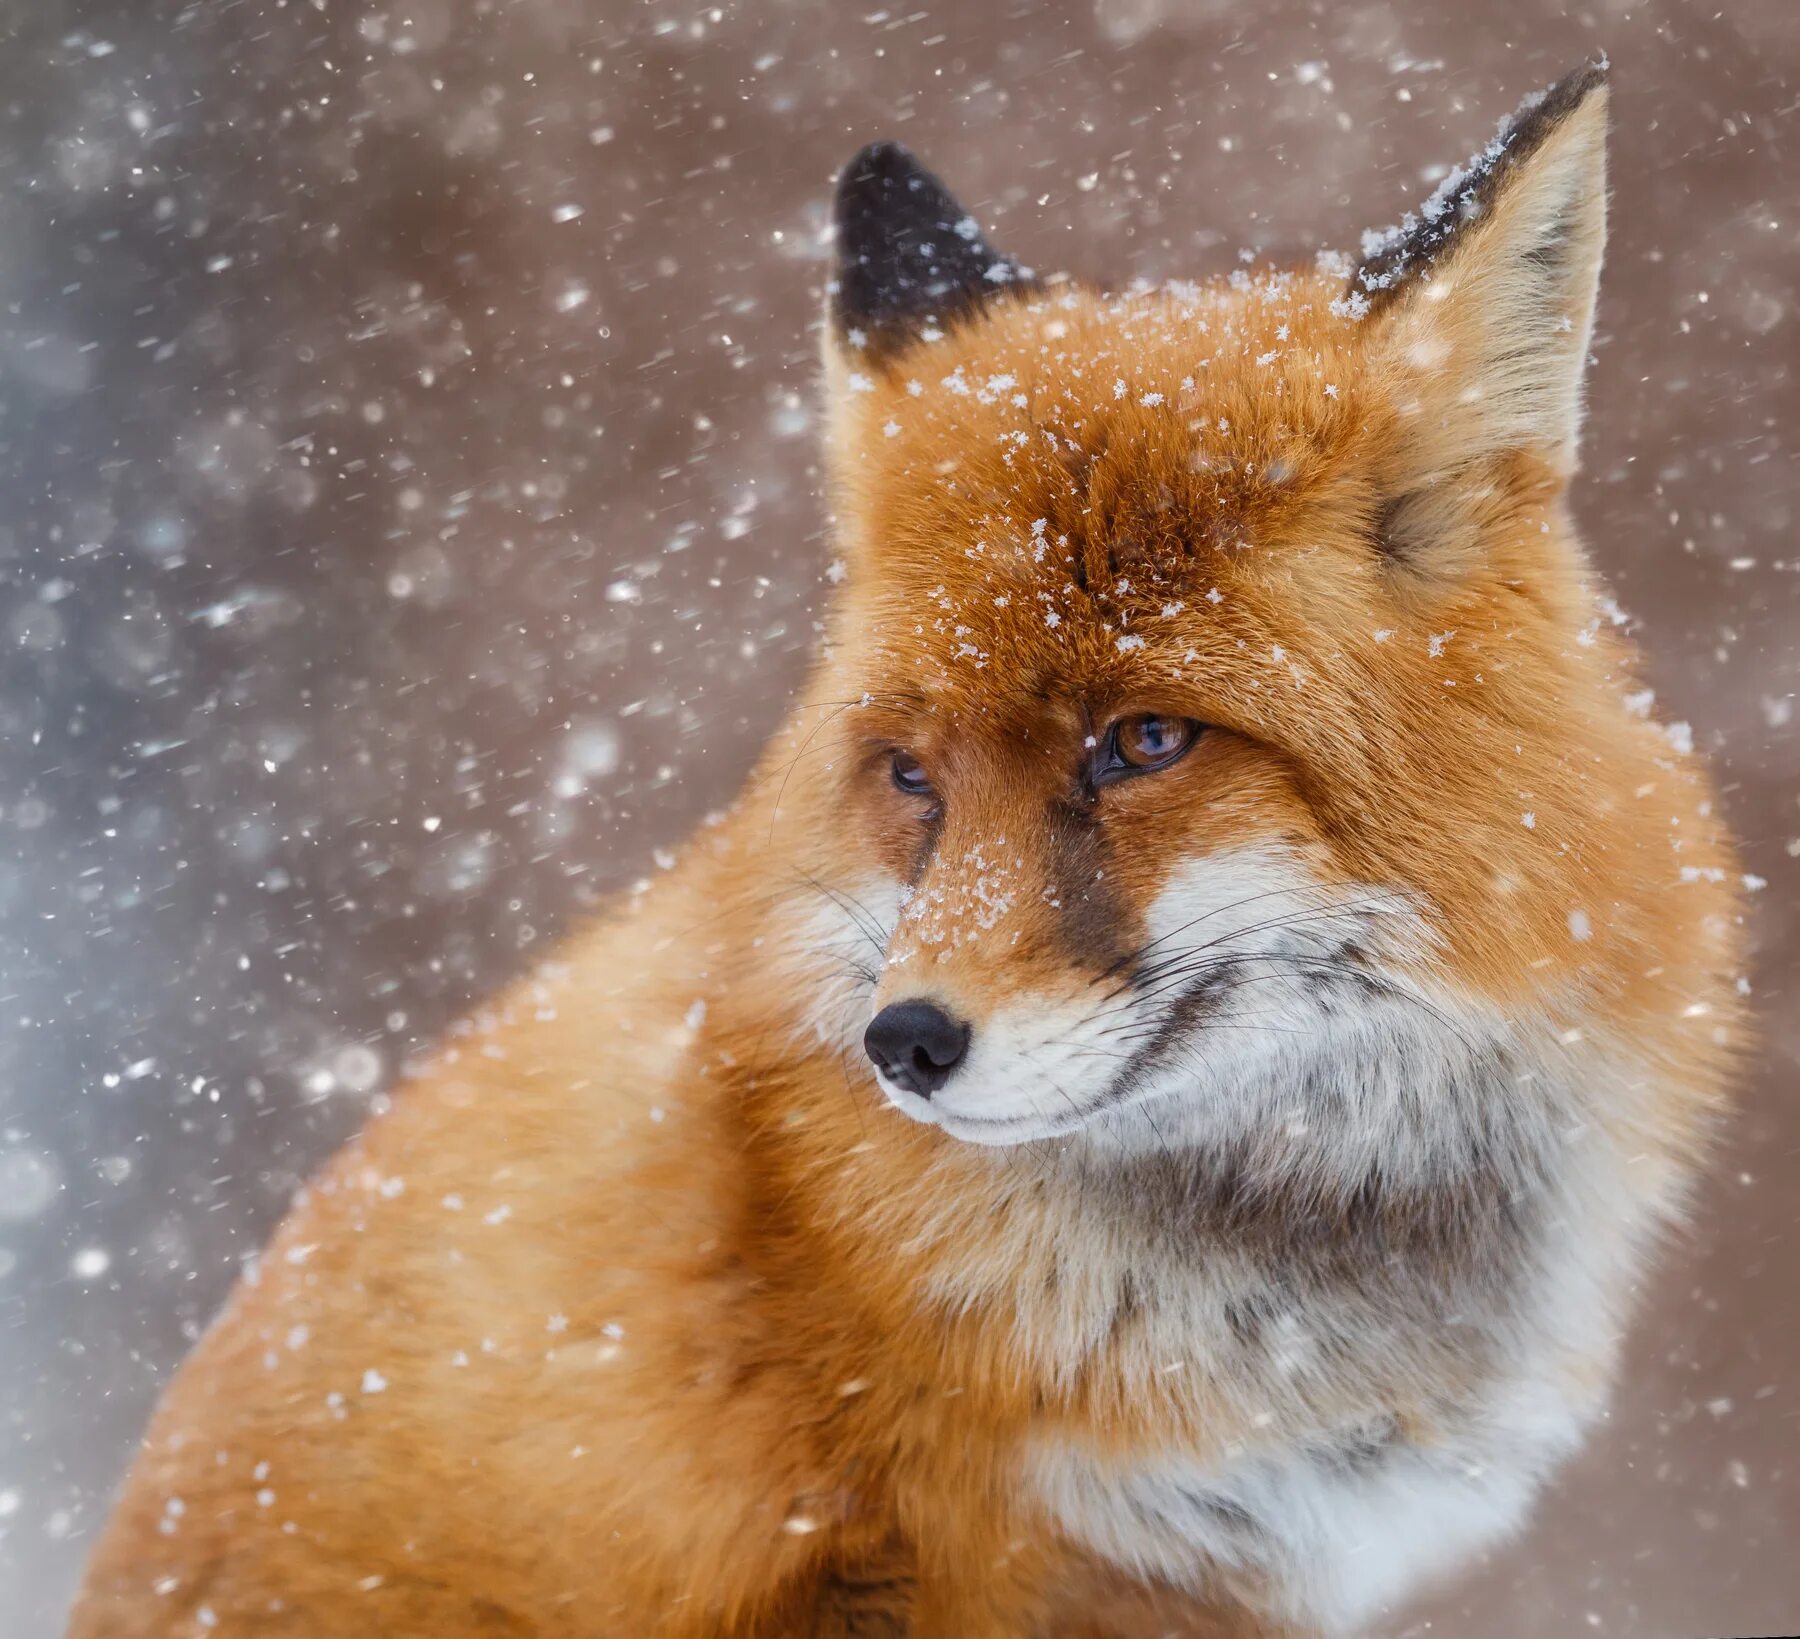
(910,259)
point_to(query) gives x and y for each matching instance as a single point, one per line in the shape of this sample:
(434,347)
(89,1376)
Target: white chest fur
(1334,1531)
(1330,1523)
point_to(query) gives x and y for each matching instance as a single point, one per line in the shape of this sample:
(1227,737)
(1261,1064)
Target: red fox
(1146,1116)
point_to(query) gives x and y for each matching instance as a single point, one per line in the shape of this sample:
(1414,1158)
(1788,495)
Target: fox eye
(1138,745)
(909,774)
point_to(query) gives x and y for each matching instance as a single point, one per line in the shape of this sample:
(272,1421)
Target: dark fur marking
(1358,1452)
(853,1609)
(1127,1309)
(1090,924)
(1387,531)
(1222,1511)
(871,1596)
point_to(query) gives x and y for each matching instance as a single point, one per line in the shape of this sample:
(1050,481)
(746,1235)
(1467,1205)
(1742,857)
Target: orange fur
(674,1329)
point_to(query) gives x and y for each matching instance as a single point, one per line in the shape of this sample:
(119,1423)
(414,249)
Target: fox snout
(916,1044)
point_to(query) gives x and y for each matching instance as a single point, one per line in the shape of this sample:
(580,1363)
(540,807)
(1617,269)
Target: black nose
(916,1045)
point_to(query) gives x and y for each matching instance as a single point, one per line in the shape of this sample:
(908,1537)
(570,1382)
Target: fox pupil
(909,774)
(1151,741)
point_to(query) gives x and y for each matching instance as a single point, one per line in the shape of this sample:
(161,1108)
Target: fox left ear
(1484,304)
(909,257)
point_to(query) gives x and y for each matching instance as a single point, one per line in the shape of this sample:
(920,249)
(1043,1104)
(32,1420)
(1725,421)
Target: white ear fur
(1487,323)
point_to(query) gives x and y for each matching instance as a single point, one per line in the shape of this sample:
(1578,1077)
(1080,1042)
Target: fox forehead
(1093,489)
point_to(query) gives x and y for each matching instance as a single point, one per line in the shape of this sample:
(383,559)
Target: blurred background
(410,526)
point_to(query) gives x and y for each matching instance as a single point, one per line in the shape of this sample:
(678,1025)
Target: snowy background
(409,525)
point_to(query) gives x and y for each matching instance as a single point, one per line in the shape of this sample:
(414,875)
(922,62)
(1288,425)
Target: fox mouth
(974,1129)
(1116,1099)
(1173,1046)
(1059,1104)
(1255,982)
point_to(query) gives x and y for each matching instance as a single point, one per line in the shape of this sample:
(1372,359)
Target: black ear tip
(1394,259)
(907,252)
(1537,116)
(877,175)
(1573,88)
(876,161)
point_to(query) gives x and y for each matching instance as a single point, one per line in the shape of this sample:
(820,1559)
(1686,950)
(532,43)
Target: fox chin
(1148,1114)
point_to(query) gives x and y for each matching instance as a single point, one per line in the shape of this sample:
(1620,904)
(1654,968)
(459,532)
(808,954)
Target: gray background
(409,525)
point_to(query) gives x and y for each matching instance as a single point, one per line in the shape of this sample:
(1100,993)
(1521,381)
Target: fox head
(1221,732)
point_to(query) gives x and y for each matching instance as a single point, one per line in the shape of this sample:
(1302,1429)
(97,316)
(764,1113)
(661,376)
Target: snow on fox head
(1220,730)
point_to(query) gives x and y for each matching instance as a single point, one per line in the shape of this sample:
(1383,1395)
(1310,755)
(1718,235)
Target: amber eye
(1142,743)
(909,774)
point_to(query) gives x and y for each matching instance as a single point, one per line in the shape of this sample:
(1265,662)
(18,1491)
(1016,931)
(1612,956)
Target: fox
(1147,1115)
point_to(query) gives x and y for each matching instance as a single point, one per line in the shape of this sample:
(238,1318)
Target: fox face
(1227,738)
(1099,702)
